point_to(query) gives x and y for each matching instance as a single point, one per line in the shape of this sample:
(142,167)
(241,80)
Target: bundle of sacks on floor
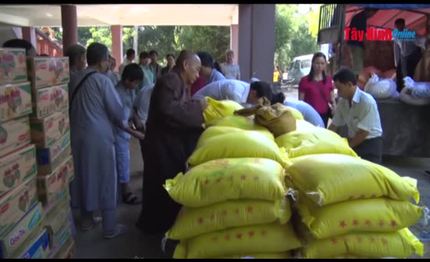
(235,202)
(233,195)
(352,207)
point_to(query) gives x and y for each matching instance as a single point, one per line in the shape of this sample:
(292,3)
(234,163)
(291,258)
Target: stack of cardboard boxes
(50,132)
(22,233)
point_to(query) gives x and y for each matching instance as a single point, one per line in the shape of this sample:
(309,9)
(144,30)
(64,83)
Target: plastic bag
(381,88)
(314,140)
(419,89)
(364,215)
(399,244)
(192,222)
(219,109)
(268,238)
(219,130)
(228,179)
(238,145)
(333,178)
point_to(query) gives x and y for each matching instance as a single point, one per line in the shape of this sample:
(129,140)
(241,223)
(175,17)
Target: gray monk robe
(173,128)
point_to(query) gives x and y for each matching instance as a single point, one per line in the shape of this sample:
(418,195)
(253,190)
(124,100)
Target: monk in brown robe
(174,125)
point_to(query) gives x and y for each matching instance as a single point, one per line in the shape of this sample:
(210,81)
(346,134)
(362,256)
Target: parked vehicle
(300,67)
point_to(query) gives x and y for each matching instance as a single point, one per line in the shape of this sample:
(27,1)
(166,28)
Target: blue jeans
(122,152)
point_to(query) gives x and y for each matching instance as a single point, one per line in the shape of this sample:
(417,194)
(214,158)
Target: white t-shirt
(227,89)
(231,71)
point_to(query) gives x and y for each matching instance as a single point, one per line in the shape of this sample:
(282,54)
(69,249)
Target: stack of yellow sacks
(347,206)
(233,196)
(352,207)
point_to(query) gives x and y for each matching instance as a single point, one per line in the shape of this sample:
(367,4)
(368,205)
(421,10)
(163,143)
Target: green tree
(212,39)
(304,43)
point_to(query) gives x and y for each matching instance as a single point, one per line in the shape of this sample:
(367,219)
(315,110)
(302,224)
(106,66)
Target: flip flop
(131,199)
(88,227)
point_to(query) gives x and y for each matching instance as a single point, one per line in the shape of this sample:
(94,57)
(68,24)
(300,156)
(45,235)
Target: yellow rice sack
(399,244)
(241,122)
(228,179)
(236,145)
(332,178)
(314,141)
(267,238)
(369,215)
(302,125)
(219,130)
(219,109)
(192,222)
(296,113)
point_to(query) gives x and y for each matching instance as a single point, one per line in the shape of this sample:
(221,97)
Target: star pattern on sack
(355,222)
(342,224)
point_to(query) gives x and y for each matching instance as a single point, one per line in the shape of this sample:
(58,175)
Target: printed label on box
(13,135)
(15,204)
(15,101)
(17,167)
(50,100)
(51,187)
(49,71)
(13,65)
(46,131)
(38,248)
(22,230)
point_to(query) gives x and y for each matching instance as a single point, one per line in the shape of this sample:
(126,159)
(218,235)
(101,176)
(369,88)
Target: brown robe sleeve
(174,108)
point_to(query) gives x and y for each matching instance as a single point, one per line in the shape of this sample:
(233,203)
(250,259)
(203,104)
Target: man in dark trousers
(174,125)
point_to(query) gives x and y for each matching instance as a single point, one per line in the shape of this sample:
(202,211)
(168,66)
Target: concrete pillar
(245,38)
(234,41)
(117,44)
(69,23)
(256,41)
(29,34)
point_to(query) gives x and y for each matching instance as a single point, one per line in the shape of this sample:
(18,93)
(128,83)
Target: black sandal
(131,199)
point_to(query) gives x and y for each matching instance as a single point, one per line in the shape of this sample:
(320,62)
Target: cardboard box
(46,131)
(15,101)
(14,134)
(48,71)
(13,65)
(50,100)
(60,238)
(15,204)
(50,188)
(35,247)
(58,215)
(17,236)
(17,167)
(48,159)
(66,251)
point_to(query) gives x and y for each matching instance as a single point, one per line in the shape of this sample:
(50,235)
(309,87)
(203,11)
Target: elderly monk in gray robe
(174,125)
(95,108)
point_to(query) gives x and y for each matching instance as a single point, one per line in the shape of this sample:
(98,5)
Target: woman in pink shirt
(316,88)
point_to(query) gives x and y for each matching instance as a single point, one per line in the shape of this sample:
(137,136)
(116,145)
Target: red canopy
(415,18)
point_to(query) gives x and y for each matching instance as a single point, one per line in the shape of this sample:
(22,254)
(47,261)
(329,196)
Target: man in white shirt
(130,55)
(227,89)
(359,112)
(230,70)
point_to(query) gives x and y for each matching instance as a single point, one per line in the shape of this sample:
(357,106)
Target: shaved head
(188,64)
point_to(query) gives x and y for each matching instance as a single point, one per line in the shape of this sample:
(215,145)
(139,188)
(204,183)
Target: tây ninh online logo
(378,34)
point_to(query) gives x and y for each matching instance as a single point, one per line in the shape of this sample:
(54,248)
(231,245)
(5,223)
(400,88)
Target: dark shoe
(131,199)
